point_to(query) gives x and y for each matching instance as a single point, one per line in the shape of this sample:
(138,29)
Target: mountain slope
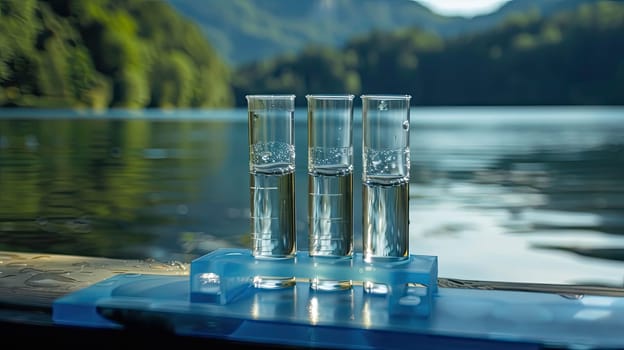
(574,57)
(244,31)
(247,30)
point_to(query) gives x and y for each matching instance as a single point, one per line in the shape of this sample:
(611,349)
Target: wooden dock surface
(29,283)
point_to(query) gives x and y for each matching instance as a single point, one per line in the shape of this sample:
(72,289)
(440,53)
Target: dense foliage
(138,53)
(573,57)
(106,53)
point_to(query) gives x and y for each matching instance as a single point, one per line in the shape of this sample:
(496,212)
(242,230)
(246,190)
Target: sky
(466,8)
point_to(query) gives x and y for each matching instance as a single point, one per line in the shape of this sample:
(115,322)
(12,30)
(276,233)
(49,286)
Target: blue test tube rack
(225,276)
(218,300)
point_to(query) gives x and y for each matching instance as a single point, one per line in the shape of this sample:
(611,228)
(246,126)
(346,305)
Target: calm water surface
(505,194)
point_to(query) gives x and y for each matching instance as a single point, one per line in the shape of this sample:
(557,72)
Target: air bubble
(406,125)
(383,106)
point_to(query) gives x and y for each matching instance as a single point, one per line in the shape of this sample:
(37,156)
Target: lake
(522,194)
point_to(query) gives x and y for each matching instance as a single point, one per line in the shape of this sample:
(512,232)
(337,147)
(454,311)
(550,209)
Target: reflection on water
(119,187)
(507,194)
(533,195)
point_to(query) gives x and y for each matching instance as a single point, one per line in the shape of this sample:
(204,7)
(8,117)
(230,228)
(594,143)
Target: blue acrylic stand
(226,275)
(218,300)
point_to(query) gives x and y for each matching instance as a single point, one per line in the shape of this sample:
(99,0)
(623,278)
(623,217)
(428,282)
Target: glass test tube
(272,177)
(330,181)
(385,177)
(330,175)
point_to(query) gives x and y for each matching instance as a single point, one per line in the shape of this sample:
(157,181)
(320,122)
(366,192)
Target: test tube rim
(330,96)
(270,97)
(385,97)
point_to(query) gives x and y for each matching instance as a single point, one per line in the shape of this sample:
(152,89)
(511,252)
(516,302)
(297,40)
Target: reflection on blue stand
(407,286)
(218,300)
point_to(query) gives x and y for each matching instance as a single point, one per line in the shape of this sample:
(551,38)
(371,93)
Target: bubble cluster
(272,155)
(394,162)
(325,156)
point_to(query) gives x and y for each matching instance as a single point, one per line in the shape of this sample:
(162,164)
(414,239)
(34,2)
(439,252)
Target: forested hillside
(143,53)
(106,53)
(245,31)
(252,30)
(573,57)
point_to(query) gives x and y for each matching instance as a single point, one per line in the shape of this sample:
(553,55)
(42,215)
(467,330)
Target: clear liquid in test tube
(330,183)
(385,177)
(272,182)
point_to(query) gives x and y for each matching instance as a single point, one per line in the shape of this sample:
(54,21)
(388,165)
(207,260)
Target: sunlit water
(506,194)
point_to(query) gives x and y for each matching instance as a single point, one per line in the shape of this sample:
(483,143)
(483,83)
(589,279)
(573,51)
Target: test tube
(330,182)
(330,175)
(272,178)
(385,177)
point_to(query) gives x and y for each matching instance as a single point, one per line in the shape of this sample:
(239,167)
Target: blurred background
(123,129)
(185,53)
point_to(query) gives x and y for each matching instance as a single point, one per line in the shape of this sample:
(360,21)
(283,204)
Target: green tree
(102,53)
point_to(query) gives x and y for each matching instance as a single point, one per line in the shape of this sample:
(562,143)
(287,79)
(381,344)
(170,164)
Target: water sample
(385,214)
(271,220)
(272,182)
(330,183)
(330,208)
(385,177)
